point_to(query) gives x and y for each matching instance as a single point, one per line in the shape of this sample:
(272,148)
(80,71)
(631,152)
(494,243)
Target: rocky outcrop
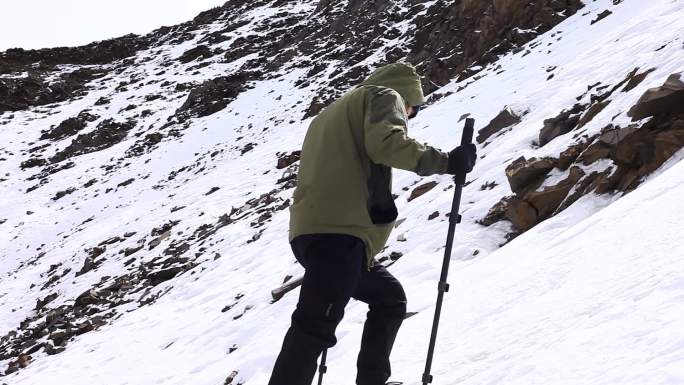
(450,40)
(524,174)
(661,100)
(421,190)
(107,134)
(504,119)
(635,151)
(103,52)
(287,159)
(69,127)
(559,125)
(23,92)
(199,52)
(213,95)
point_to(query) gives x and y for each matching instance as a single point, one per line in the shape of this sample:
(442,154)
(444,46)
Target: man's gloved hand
(462,159)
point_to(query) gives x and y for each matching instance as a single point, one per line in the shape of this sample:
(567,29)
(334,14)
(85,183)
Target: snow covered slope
(151,258)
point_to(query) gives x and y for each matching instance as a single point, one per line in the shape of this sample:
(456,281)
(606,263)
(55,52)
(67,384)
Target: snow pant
(336,271)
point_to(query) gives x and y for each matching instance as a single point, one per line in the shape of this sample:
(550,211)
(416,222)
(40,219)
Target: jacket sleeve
(386,141)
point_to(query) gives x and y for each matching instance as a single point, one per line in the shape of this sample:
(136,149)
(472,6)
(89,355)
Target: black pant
(335,272)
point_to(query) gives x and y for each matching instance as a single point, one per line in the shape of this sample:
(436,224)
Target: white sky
(51,23)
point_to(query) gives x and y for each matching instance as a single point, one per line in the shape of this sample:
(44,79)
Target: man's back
(332,187)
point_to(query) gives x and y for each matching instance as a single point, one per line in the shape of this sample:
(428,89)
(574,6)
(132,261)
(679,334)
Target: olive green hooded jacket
(344,181)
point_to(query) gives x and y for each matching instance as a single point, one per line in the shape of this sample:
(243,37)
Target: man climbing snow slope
(342,215)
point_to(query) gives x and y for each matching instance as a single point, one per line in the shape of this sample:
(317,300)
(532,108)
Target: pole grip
(465,139)
(468,131)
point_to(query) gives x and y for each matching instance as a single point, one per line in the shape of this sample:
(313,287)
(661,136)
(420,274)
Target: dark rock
(549,198)
(247,148)
(565,122)
(160,276)
(504,119)
(107,134)
(126,182)
(88,297)
(537,206)
(395,255)
(88,265)
(69,127)
(61,194)
(570,155)
(497,212)
(212,190)
(421,190)
(593,110)
(103,101)
(102,52)
(601,16)
(21,93)
(33,162)
(40,303)
(433,215)
(523,174)
(145,145)
(660,100)
(201,51)
(213,95)
(132,250)
(285,159)
(636,79)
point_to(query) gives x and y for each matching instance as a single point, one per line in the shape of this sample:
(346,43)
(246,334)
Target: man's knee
(393,304)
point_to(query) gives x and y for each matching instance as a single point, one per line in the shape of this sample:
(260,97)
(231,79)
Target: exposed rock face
(445,31)
(506,118)
(107,134)
(421,190)
(635,152)
(660,100)
(21,93)
(522,172)
(102,52)
(201,51)
(213,95)
(548,199)
(439,32)
(69,127)
(285,160)
(565,122)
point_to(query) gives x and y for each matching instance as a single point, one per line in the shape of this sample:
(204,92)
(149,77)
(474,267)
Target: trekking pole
(322,369)
(454,218)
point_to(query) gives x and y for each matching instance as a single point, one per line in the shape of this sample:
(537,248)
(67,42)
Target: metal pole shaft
(322,369)
(443,286)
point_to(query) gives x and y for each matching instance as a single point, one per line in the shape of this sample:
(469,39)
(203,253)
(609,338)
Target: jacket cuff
(432,161)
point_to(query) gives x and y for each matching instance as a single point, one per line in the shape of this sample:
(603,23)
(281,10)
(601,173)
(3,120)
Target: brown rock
(523,174)
(597,150)
(285,159)
(594,110)
(201,51)
(601,16)
(422,189)
(88,297)
(504,119)
(537,206)
(521,214)
(636,79)
(550,198)
(497,212)
(660,100)
(570,155)
(565,122)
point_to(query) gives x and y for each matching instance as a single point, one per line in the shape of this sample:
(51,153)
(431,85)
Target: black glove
(462,159)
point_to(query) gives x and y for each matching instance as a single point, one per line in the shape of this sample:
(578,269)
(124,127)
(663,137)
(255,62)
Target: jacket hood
(400,77)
